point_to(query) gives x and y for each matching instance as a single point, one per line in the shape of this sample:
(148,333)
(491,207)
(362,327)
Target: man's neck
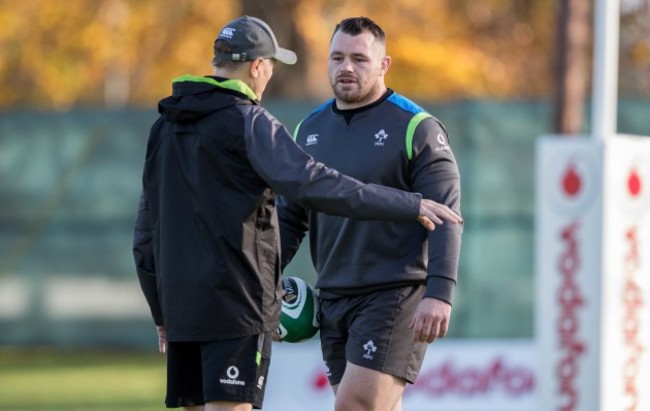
(371,98)
(350,113)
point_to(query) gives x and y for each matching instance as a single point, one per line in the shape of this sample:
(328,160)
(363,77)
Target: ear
(255,67)
(385,64)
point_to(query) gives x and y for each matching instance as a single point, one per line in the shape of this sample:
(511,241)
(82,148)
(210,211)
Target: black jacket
(206,237)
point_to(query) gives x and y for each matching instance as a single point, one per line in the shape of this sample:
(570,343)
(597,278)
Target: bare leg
(362,389)
(228,406)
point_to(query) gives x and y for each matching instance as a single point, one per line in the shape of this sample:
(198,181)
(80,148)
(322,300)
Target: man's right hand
(432,214)
(162,338)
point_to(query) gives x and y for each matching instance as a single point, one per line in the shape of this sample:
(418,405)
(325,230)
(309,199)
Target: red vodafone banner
(568,265)
(457,375)
(626,293)
(592,238)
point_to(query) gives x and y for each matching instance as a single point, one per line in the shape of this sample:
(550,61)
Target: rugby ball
(299,318)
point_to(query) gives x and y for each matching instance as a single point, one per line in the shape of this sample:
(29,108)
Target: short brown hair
(357,25)
(221,50)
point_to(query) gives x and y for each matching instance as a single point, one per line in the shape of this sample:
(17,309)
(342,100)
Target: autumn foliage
(114,53)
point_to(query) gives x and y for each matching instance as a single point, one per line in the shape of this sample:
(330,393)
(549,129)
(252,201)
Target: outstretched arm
(296,175)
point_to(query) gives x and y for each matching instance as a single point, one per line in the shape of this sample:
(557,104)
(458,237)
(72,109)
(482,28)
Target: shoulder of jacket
(405,104)
(417,115)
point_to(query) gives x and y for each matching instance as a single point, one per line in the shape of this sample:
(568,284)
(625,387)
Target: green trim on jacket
(410,130)
(233,84)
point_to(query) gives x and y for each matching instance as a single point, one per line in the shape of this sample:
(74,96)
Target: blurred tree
(112,53)
(443,49)
(571,76)
(280,15)
(57,55)
(634,68)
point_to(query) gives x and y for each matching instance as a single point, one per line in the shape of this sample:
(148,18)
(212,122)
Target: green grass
(75,381)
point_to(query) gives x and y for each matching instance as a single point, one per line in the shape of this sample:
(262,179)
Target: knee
(353,401)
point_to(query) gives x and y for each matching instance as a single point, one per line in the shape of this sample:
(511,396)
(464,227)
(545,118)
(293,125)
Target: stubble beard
(350,95)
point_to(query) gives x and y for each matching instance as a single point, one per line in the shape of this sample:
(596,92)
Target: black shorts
(371,331)
(228,370)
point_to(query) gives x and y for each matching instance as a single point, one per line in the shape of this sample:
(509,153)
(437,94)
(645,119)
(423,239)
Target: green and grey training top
(392,142)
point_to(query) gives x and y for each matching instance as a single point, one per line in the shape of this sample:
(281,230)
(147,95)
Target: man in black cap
(206,237)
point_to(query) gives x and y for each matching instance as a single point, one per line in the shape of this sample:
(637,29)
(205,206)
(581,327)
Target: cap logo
(228,32)
(251,38)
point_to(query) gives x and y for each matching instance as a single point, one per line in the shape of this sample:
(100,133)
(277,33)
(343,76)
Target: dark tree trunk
(571,75)
(288,81)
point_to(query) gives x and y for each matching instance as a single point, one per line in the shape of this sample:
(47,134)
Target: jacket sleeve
(294,223)
(293,173)
(434,173)
(144,260)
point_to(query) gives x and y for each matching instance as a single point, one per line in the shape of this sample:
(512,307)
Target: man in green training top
(385,287)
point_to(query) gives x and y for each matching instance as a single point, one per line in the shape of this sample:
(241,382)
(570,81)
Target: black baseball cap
(251,38)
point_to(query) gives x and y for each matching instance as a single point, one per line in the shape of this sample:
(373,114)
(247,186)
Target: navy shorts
(229,370)
(371,331)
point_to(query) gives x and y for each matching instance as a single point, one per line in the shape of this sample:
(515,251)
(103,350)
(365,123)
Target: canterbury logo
(228,32)
(312,139)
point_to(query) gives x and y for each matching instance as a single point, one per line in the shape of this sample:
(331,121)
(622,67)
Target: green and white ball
(299,318)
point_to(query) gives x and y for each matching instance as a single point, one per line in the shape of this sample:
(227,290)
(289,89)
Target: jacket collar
(230,84)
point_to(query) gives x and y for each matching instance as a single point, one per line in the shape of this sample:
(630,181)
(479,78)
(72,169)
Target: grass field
(35,380)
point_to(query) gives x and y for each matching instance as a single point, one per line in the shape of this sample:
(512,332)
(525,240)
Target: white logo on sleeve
(312,139)
(380,137)
(232,372)
(443,143)
(260,382)
(370,348)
